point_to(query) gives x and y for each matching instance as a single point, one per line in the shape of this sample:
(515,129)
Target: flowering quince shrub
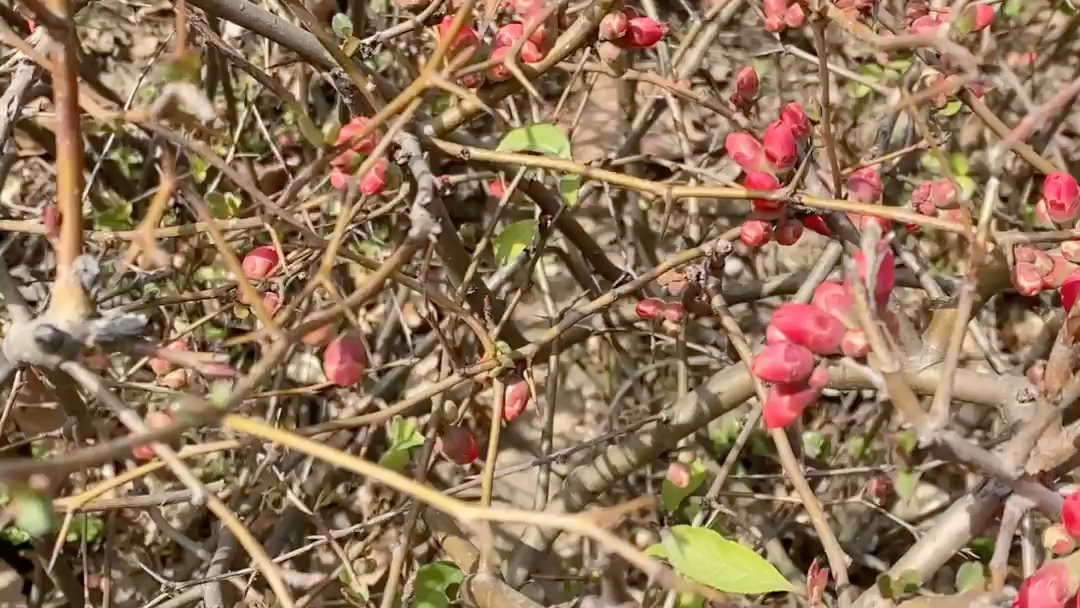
(659,275)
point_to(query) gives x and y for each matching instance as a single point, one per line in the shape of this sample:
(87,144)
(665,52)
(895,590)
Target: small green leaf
(930,162)
(723,435)
(815,445)
(403,433)
(117,217)
(223,206)
(434,585)
(514,239)
(703,555)
(901,64)
(546,139)
(983,546)
(906,441)
(671,496)
(857,447)
(872,71)
(85,525)
(952,108)
(967,186)
(905,483)
(1012,8)
(342,26)
(33,512)
(198,168)
(970,576)
(857,90)
(959,163)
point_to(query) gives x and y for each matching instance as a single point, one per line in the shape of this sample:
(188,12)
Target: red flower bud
(795,118)
(1024,253)
(886,275)
(1047,587)
(780,146)
(1062,196)
(508,34)
(765,182)
(497,188)
(642,33)
(1028,281)
(458,444)
(1060,270)
(679,475)
(817,224)
(499,72)
(835,299)
(746,82)
(916,9)
(864,185)
(855,344)
(471,80)
(649,309)
(614,26)
(517,399)
(362,146)
(920,198)
(745,150)
(755,233)
(809,326)
(795,16)
(674,312)
(162,366)
(466,41)
(943,194)
(785,403)
(783,362)
(982,16)
(530,53)
(344,360)
(374,181)
(260,262)
(775,11)
(788,231)
(338,178)
(923,25)
(1069,289)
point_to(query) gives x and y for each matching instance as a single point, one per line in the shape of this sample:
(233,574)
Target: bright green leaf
(723,435)
(970,576)
(967,185)
(434,583)
(690,600)
(117,217)
(814,444)
(547,139)
(930,162)
(857,90)
(33,512)
(906,441)
(858,446)
(403,433)
(872,70)
(905,483)
(342,26)
(885,586)
(671,496)
(198,168)
(85,525)
(656,551)
(703,555)
(901,64)
(1012,8)
(959,163)
(223,206)
(952,108)
(514,239)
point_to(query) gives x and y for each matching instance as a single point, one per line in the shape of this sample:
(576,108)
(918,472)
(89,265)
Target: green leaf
(857,90)
(967,185)
(905,483)
(514,239)
(223,206)
(872,71)
(33,512)
(546,139)
(906,441)
(724,435)
(930,162)
(1012,8)
(952,108)
(434,583)
(85,525)
(858,446)
(690,600)
(671,495)
(403,438)
(198,168)
(703,555)
(657,551)
(117,217)
(970,576)
(342,26)
(814,444)
(959,163)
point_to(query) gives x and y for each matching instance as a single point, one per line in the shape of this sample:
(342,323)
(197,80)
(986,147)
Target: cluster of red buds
(763,161)
(1053,584)
(798,334)
(629,29)
(381,176)
(746,89)
(780,15)
(655,309)
(1035,270)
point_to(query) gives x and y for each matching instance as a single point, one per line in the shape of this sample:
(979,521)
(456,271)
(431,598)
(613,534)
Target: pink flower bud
(614,26)
(1060,270)
(497,188)
(755,233)
(765,182)
(1027,280)
(642,33)
(785,403)
(1069,289)
(835,299)
(345,360)
(775,11)
(338,178)
(466,41)
(886,275)
(783,362)
(471,80)
(746,82)
(648,309)
(920,198)
(1057,540)
(350,129)
(855,344)
(780,146)
(795,118)
(864,185)
(679,475)
(1024,253)
(374,181)
(795,16)
(260,262)
(1070,250)
(530,53)
(517,399)
(982,16)
(774,24)
(745,150)
(817,224)
(1047,587)
(674,312)
(923,25)
(508,34)
(788,231)
(943,194)
(1062,196)
(499,72)
(809,326)
(1043,262)
(816,580)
